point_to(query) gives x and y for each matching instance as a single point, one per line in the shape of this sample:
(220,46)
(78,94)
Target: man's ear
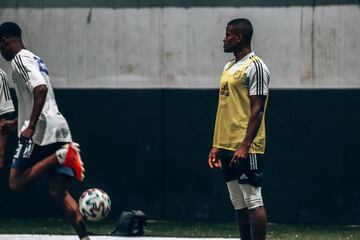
(239,36)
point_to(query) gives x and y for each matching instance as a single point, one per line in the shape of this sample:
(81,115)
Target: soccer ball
(94,204)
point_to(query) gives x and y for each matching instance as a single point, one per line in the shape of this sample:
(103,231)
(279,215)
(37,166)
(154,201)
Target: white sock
(61,153)
(85,238)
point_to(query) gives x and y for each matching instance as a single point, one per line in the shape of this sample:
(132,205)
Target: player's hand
(213,159)
(26,135)
(240,154)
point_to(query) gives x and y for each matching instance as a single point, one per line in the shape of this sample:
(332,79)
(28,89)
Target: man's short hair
(10,29)
(245,27)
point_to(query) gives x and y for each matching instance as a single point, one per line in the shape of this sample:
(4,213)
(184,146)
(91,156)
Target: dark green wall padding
(148,149)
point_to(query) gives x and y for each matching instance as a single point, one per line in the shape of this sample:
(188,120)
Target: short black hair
(10,29)
(245,27)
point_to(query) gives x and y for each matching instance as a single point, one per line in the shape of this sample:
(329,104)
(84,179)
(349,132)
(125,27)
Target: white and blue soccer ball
(94,204)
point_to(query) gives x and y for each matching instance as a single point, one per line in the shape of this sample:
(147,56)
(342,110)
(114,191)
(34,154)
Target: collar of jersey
(19,52)
(231,66)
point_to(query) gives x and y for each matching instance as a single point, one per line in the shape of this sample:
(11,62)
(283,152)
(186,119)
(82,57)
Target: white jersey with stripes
(30,72)
(6,104)
(256,76)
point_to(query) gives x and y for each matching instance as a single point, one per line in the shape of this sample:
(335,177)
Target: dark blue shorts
(28,155)
(246,171)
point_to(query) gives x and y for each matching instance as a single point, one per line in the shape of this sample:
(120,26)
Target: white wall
(304,47)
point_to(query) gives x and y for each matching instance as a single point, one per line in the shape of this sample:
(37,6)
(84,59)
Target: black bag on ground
(131,223)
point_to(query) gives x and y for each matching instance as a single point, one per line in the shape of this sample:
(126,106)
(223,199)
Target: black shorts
(246,171)
(28,155)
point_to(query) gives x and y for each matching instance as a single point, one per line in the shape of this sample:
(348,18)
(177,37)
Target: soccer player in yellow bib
(239,135)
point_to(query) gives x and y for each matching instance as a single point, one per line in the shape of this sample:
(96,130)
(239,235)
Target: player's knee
(238,203)
(254,202)
(252,196)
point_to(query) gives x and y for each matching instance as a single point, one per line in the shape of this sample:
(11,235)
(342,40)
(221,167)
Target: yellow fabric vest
(233,112)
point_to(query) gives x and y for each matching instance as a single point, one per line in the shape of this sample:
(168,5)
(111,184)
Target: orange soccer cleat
(69,156)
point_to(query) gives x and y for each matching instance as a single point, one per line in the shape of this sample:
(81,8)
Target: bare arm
(39,93)
(257,105)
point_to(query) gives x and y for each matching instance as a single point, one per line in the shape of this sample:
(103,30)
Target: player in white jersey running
(45,142)
(6,107)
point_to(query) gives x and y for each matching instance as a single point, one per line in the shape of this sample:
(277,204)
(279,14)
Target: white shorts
(244,195)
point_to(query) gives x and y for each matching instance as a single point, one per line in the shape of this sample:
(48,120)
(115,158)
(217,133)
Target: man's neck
(17,47)
(240,55)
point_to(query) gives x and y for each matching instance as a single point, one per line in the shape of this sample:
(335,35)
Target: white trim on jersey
(22,70)
(6,104)
(259,77)
(28,68)
(257,73)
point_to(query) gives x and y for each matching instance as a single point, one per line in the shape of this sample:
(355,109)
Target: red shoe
(72,159)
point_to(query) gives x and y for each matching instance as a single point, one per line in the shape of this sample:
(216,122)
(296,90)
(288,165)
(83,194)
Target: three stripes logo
(5,87)
(253,161)
(243,177)
(259,75)
(24,72)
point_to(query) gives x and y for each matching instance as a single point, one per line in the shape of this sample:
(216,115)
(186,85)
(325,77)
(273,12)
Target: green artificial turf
(184,229)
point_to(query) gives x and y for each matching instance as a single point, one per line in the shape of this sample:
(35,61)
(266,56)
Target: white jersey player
(44,136)
(30,72)
(6,107)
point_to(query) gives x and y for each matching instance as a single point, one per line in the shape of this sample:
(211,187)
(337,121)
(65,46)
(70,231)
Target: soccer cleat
(69,156)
